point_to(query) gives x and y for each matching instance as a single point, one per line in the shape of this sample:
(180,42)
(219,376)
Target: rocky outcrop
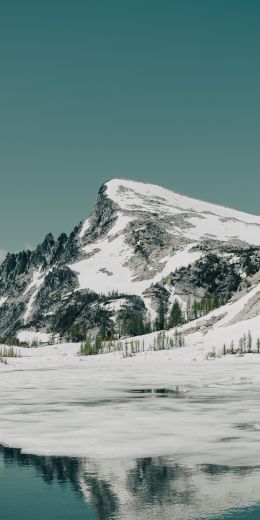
(102,218)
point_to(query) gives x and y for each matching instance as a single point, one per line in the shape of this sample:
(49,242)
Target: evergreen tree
(249,267)
(194,310)
(98,344)
(249,342)
(188,310)
(160,320)
(176,316)
(131,323)
(106,329)
(86,348)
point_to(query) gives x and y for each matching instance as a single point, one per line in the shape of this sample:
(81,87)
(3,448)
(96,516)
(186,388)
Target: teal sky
(163,91)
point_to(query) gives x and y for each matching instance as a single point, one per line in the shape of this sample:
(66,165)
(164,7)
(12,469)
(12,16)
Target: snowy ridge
(134,195)
(110,267)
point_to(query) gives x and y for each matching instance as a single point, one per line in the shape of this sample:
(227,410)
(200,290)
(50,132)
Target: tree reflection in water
(146,488)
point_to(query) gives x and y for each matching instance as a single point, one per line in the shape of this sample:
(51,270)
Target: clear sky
(164,91)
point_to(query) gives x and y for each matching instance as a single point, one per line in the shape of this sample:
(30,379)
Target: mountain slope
(141,244)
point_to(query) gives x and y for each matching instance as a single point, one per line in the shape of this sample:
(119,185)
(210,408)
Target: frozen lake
(158,403)
(160,435)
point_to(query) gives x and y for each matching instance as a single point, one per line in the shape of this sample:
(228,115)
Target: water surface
(64,488)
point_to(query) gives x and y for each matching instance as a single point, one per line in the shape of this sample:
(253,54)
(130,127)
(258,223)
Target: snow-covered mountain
(142,244)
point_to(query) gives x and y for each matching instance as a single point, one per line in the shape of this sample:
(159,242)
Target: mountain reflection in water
(149,488)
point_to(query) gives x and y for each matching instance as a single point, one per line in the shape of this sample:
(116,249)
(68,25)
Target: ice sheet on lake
(156,403)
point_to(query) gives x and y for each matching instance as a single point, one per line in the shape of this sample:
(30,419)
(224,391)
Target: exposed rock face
(102,218)
(142,241)
(212,274)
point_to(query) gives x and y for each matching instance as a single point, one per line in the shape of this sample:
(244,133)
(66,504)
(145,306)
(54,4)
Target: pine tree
(188,310)
(194,312)
(103,329)
(249,268)
(249,342)
(98,344)
(176,317)
(160,320)
(86,348)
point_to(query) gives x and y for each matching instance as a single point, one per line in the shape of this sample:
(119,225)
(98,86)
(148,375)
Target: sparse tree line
(132,323)
(15,342)
(12,341)
(6,352)
(245,345)
(131,347)
(194,309)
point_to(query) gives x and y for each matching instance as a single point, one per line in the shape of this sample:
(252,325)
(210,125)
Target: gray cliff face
(150,242)
(223,271)
(40,290)
(102,218)
(16,275)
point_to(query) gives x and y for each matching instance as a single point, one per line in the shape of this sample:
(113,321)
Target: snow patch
(37,281)
(3,300)
(180,259)
(85,227)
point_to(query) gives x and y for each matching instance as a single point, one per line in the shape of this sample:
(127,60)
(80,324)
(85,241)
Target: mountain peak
(136,195)
(136,239)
